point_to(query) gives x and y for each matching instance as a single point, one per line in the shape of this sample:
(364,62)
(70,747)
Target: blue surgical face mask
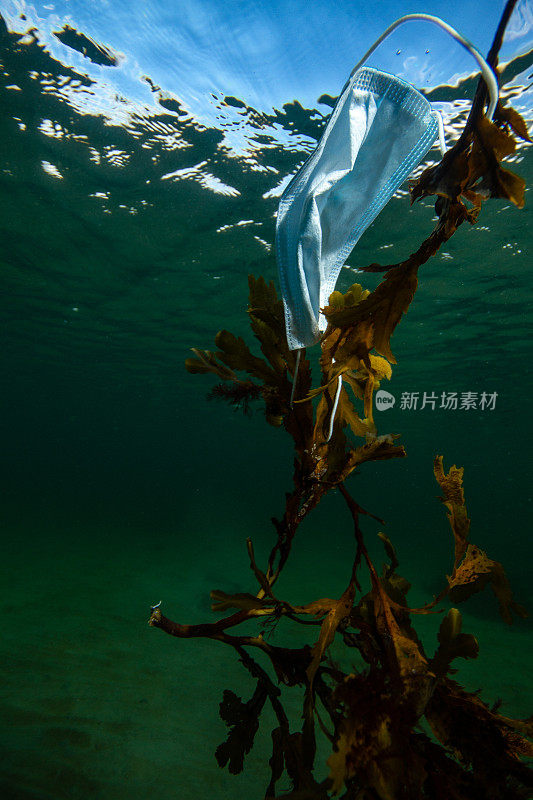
(380,129)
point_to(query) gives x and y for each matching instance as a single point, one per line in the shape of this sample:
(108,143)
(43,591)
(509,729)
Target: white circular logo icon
(384,400)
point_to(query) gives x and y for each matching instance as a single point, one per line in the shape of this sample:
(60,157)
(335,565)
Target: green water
(122,485)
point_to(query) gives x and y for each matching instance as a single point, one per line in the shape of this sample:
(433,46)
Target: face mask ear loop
(334,410)
(442,140)
(487,72)
(294,377)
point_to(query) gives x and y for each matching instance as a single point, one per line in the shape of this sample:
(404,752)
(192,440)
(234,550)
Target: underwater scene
(232,568)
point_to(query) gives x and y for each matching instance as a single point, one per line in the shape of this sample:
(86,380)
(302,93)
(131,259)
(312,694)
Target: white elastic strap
(442,140)
(334,409)
(487,72)
(294,377)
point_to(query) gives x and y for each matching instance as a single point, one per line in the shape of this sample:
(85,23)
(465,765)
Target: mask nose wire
(488,74)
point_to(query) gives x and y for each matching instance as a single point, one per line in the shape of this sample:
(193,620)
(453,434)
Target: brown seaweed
(401,728)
